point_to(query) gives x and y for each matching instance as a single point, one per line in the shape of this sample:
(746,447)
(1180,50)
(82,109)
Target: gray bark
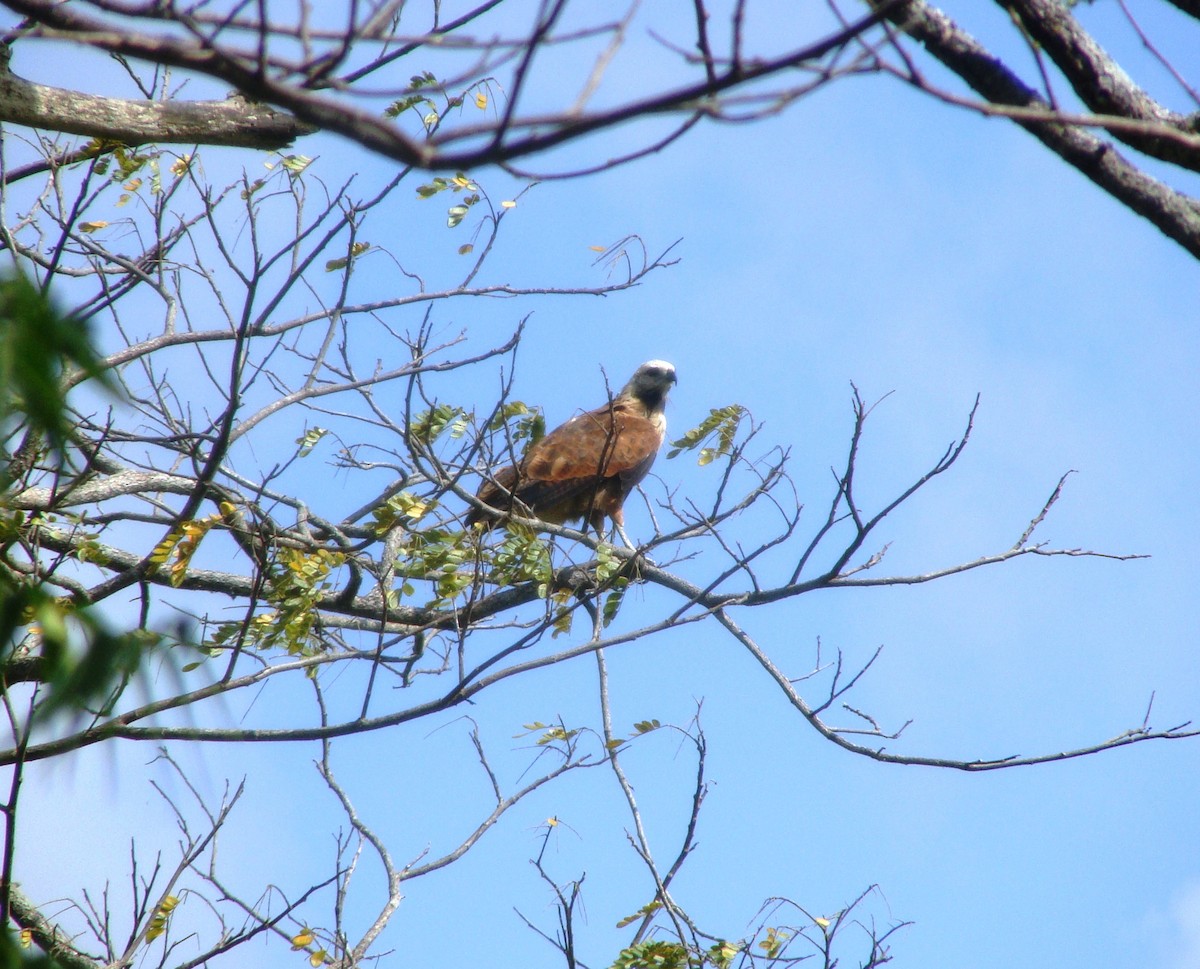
(234,122)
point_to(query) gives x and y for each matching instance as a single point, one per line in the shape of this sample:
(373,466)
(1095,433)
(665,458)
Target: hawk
(587,467)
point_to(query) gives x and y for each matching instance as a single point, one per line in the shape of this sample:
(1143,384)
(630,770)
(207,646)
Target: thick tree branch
(49,938)
(492,145)
(234,122)
(1175,214)
(1100,81)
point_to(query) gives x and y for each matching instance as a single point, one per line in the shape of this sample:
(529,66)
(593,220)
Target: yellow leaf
(316,958)
(355,250)
(597,248)
(823,923)
(551,822)
(26,938)
(508,204)
(133,185)
(92,226)
(303,940)
(181,165)
(162,551)
(481,100)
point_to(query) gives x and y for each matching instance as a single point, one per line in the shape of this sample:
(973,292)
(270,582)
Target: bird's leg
(635,563)
(618,520)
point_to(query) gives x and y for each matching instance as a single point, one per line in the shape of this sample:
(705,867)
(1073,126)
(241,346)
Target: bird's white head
(653,374)
(650,384)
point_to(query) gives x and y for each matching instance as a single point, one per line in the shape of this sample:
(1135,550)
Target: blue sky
(867,235)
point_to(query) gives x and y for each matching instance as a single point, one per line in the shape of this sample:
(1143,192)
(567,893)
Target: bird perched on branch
(587,467)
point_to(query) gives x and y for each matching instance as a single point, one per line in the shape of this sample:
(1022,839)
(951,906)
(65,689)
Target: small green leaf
(309,440)
(722,422)
(431,189)
(398,107)
(296,163)
(429,425)
(38,345)
(640,914)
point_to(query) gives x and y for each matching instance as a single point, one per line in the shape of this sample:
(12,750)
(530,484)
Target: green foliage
(608,567)
(656,954)
(529,424)
(417,83)
(547,733)
(457,184)
(121,160)
(648,909)
(429,425)
(83,663)
(403,508)
(640,728)
(37,345)
(661,954)
(181,544)
(523,557)
(80,659)
(16,952)
(422,88)
(564,617)
(607,563)
(87,544)
(721,423)
(356,250)
(721,954)
(295,164)
(613,601)
(774,943)
(295,584)
(438,556)
(309,440)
